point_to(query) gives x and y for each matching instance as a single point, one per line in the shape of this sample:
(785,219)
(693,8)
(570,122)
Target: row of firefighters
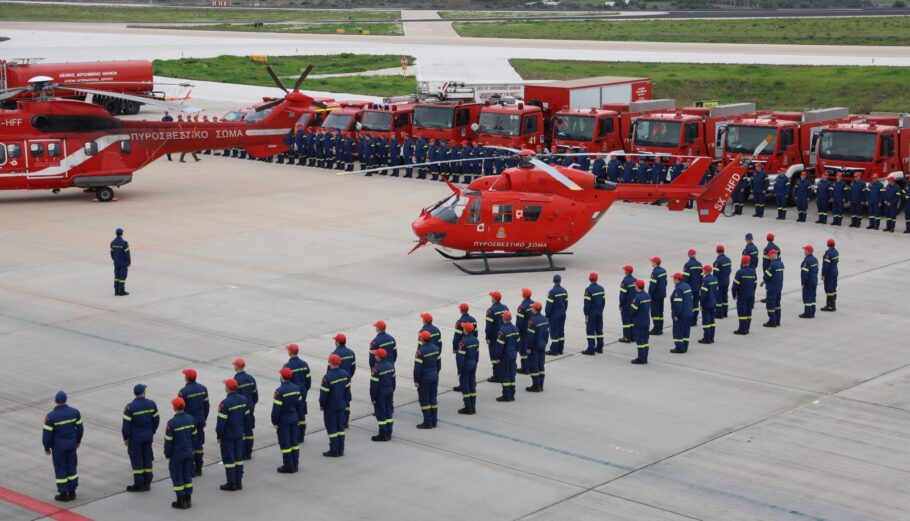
(514,347)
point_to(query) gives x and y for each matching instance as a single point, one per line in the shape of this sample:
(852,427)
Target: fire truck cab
(511,125)
(451,121)
(877,144)
(687,131)
(594,130)
(387,121)
(345,118)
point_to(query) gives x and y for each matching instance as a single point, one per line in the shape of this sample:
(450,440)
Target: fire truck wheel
(131,108)
(112,106)
(105,194)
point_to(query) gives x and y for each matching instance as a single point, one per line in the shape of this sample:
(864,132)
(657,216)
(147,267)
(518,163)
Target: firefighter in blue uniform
(382,153)
(467,355)
(723,268)
(535,347)
(692,270)
(657,289)
(643,175)
(628,171)
(823,199)
(140,421)
(349,147)
(348,364)
(838,199)
(522,316)
(751,250)
(488,164)
(310,144)
(584,162)
(427,364)
(743,291)
(491,333)
(382,392)
(334,397)
(802,197)
(435,334)
(459,333)
(874,200)
(477,169)
(302,378)
(508,340)
(179,443)
(432,155)
(299,149)
(407,156)
(339,151)
(626,296)
(641,322)
(233,421)
(681,305)
(394,155)
(708,300)
(196,397)
(594,300)
(677,169)
(421,150)
(781,192)
(906,197)
(317,148)
(829,276)
(809,281)
(467,166)
(61,436)
(384,341)
(891,199)
(120,254)
(658,173)
(759,187)
(246,385)
(557,306)
(613,167)
(773,280)
(286,410)
(858,191)
(599,169)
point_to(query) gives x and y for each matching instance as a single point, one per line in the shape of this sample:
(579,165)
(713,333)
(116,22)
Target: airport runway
(236,258)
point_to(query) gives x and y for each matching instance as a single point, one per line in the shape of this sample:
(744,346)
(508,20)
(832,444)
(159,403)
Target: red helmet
(720,248)
(425,336)
(190,373)
(468,327)
(628,269)
(380,324)
(340,338)
(830,243)
(708,268)
(230,383)
(640,284)
(380,353)
(293,349)
(463,307)
(497,296)
(678,276)
(537,306)
(770,236)
(286,373)
(334,359)
(592,277)
(426,317)
(691,252)
(746,259)
(526,292)
(809,248)
(655,260)
(178,403)
(239,362)
(506,316)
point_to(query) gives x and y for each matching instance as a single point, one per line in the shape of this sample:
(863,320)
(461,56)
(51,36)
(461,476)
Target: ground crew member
(858,191)
(781,192)
(829,276)
(246,385)
(523,315)
(626,296)
(302,378)
(773,278)
(613,166)
(594,315)
(179,444)
(708,300)
(838,199)
(407,156)
(385,341)
(466,357)
(628,171)
(657,289)
(802,197)
(536,347)
(120,254)
(286,410)
(557,306)
(692,271)
(140,421)
(823,199)
(348,363)
(233,421)
(892,200)
(465,318)
(766,258)
(723,268)
(599,169)
(435,335)
(744,283)
(759,187)
(643,175)
(196,399)
(491,333)
(61,437)
(382,391)
(681,313)
(509,338)
(334,397)
(874,202)
(427,364)
(641,322)
(809,281)
(739,195)
(751,250)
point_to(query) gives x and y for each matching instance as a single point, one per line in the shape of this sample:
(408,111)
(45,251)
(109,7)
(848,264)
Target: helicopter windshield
(234,115)
(336,121)
(433,117)
(380,121)
(575,128)
(494,124)
(304,119)
(450,209)
(743,139)
(253,116)
(657,133)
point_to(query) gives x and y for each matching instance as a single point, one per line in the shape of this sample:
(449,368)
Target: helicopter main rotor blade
(303,75)
(444,162)
(276,79)
(138,99)
(507,149)
(269,105)
(10,93)
(555,174)
(318,104)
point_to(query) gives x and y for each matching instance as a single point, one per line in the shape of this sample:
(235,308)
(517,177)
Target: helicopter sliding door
(46,162)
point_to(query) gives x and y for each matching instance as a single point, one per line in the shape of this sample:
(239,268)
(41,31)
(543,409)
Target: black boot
(465,410)
(533,389)
(229,487)
(136,488)
(62,497)
(180,504)
(189,501)
(828,305)
(284,470)
(421,426)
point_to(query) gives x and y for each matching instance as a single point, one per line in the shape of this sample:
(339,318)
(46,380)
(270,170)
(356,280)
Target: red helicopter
(51,144)
(537,210)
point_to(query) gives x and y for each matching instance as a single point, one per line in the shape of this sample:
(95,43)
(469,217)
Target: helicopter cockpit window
(2,154)
(474,212)
(36,149)
(450,209)
(532,213)
(13,151)
(502,213)
(91,148)
(126,146)
(53,149)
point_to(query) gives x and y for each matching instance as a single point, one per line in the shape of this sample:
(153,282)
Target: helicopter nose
(427,227)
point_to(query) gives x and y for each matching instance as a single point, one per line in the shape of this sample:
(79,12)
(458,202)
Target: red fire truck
(387,121)
(605,129)
(451,121)
(692,131)
(876,144)
(346,117)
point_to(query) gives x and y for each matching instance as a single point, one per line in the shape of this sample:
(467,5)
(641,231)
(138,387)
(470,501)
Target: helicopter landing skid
(485,257)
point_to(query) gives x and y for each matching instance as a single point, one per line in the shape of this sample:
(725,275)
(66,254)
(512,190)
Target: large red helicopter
(51,144)
(538,210)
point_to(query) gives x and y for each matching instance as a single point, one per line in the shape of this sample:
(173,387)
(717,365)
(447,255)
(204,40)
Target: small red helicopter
(51,144)
(538,210)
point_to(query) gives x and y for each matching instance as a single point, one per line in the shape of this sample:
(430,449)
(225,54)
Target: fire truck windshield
(743,139)
(657,133)
(336,121)
(847,145)
(497,124)
(574,128)
(433,117)
(381,121)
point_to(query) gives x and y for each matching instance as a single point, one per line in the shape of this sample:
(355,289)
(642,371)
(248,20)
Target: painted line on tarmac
(39,507)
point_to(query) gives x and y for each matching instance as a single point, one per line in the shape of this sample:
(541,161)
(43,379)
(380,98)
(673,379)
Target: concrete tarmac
(237,258)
